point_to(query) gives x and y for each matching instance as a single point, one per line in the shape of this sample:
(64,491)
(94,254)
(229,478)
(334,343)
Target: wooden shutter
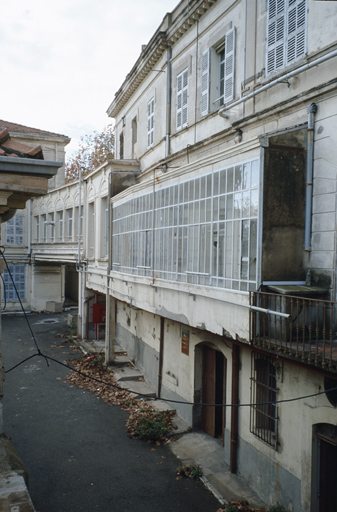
(296,36)
(229,65)
(275,35)
(205,72)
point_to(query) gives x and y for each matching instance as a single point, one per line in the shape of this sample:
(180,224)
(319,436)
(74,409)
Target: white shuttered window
(182,99)
(286,33)
(150,122)
(205,71)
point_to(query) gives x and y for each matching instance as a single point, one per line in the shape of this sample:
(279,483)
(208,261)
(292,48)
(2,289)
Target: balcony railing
(306,331)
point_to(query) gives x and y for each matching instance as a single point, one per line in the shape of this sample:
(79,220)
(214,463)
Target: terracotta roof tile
(13,148)
(20,128)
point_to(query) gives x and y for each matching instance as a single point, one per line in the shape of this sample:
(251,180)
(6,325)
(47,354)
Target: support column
(110,329)
(2,372)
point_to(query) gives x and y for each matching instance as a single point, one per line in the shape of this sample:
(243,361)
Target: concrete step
(120,359)
(162,406)
(138,389)
(128,373)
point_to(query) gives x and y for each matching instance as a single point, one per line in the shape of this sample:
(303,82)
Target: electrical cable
(143,395)
(2,253)
(152,398)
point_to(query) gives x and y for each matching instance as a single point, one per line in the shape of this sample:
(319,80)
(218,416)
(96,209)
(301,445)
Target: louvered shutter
(185,97)
(150,123)
(275,35)
(205,72)
(296,46)
(229,65)
(182,99)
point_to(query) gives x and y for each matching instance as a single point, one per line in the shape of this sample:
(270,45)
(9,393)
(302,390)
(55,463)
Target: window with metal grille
(182,99)
(263,410)
(150,123)
(15,230)
(286,33)
(200,231)
(18,273)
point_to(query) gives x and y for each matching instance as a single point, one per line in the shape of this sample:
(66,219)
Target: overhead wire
(143,395)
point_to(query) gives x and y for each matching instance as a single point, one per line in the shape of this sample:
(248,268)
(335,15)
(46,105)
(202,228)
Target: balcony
(304,330)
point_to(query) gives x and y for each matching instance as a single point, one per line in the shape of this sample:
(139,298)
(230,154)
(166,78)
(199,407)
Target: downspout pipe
(311,110)
(282,78)
(168,101)
(234,409)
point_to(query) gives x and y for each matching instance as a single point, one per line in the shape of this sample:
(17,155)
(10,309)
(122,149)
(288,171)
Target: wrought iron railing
(305,331)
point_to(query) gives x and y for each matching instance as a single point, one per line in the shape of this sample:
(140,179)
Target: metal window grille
(263,410)
(201,231)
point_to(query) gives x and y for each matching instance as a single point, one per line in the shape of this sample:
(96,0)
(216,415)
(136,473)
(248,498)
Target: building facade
(207,248)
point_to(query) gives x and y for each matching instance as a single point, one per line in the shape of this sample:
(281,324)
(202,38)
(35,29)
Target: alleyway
(73,444)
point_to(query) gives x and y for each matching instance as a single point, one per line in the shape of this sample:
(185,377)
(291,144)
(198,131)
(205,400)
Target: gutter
(29,166)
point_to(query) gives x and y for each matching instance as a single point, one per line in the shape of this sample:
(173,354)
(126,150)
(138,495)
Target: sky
(63,61)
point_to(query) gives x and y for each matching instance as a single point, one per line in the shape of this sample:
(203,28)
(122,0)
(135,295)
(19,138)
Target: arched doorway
(213,392)
(324,476)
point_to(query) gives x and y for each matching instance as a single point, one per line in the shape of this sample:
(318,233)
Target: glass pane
(245,203)
(208,210)
(255,174)
(202,187)
(222,211)
(230,178)
(237,205)
(229,207)
(215,183)
(254,203)
(253,250)
(228,250)
(236,249)
(246,176)
(223,182)
(215,209)
(238,177)
(209,185)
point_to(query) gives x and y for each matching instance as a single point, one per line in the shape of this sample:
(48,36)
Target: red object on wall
(98,313)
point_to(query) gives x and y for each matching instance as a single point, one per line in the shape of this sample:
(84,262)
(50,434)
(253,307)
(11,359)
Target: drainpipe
(312,109)
(283,78)
(235,409)
(161,349)
(168,102)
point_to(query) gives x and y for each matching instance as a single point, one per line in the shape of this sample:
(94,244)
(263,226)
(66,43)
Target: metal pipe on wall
(312,109)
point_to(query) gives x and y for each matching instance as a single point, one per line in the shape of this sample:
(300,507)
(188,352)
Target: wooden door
(327,496)
(208,390)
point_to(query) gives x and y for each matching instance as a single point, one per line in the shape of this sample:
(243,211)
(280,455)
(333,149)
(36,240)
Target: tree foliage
(93,151)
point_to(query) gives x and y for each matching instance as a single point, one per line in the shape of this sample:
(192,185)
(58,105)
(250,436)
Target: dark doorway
(327,495)
(213,392)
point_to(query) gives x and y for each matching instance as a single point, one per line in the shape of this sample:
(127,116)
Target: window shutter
(275,35)
(229,65)
(205,72)
(150,123)
(296,46)
(182,99)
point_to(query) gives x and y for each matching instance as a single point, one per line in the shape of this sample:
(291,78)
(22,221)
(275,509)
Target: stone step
(128,373)
(121,359)
(162,406)
(138,389)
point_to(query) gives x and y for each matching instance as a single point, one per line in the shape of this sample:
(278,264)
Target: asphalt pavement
(73,444)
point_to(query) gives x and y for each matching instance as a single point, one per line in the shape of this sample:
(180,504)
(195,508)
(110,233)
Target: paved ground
(74,445)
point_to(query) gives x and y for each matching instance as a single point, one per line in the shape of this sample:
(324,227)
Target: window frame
(286,38)
(264,413)
(15,231)
(150,123)
(18,273)
(182,100)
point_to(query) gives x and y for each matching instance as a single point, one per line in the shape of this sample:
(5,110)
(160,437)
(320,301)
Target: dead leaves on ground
(109,391)
(240,506)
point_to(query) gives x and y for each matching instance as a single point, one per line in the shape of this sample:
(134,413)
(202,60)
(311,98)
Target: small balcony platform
(304,330)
